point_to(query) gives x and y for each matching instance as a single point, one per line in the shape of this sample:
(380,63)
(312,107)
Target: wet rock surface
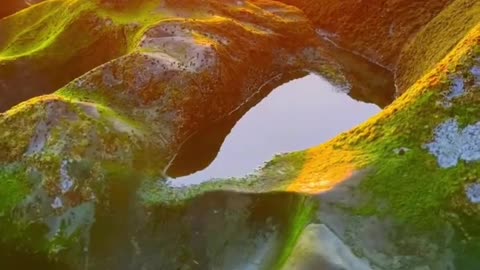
(218,230)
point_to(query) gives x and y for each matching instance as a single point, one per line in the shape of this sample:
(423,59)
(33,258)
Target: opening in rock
(298,115)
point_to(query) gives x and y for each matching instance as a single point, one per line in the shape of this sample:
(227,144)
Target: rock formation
(104,94)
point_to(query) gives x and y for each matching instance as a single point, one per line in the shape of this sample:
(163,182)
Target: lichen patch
(473,193)
(452,144)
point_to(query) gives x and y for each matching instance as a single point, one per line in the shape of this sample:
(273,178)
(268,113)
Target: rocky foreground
(104,93)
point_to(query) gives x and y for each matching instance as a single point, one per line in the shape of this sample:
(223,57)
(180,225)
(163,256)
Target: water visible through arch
(297,115)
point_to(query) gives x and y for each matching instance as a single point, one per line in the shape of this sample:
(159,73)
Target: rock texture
(319,248)
(9,7)
(397,37)
(380,37)
(122,121)
(82,182)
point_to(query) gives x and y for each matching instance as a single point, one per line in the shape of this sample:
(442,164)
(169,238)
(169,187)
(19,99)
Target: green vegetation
(44,33)
(142,12)
(110,135)
(302,215)
(436,40)
(15,187)
(276,175)
(417,190)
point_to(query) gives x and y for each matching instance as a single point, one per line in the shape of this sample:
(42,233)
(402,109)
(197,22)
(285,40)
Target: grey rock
(319,248)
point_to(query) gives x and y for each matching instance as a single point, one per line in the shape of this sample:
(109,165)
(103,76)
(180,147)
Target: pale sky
(298,115)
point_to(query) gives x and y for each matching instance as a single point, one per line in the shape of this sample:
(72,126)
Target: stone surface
(81,169)
(319,248)
(473,193)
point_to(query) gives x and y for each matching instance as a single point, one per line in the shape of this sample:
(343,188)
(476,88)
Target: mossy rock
(82,169)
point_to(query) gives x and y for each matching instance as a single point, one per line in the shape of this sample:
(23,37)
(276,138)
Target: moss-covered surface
(405,181)
(380,37)
(418,190)
(435,41)
(65,35)
(126,116)
(115,128)
(276,175)
(206,231)
(15,187)
(415,43)
(302,215)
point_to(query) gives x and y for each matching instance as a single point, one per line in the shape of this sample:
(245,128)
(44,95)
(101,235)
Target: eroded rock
(319,248)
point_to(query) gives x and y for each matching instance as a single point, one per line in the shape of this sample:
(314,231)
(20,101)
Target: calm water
(297,115)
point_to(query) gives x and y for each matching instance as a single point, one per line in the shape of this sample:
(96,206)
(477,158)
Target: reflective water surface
(297,115)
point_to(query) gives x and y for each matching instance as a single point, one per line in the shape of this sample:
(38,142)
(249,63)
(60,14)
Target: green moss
(18,235)
(21,124)
(13,26)
(276,175)
(76,94)
(46,31)
(144,12)
(16,232)
(436,40)
(14,187)
(303,213)
(110,108)
(118,172)
(63,28)
(61,243)
(417,191)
